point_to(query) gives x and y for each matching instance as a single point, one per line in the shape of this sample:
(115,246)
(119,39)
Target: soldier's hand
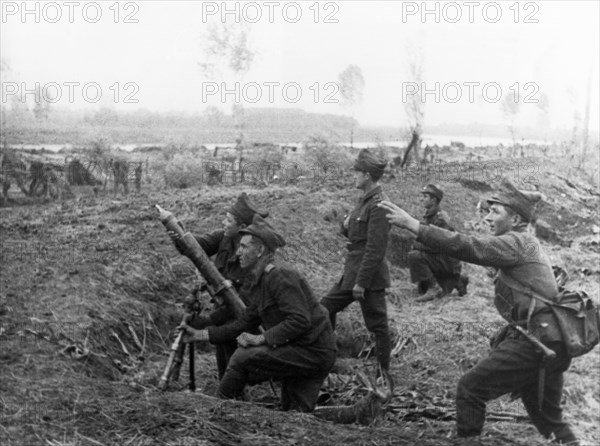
(192,335)
(358,292)
(250,340)
(174,236)
(346,221)
(399,217)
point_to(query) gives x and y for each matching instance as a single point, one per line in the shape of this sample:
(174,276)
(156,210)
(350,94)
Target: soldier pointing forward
(514,363)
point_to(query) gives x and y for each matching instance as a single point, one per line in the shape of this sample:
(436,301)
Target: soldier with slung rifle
(520,356)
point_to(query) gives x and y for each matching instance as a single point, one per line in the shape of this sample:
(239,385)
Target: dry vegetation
(91,289)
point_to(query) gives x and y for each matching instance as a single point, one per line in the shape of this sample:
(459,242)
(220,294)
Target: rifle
(547,355)
(175,360)
(219,288)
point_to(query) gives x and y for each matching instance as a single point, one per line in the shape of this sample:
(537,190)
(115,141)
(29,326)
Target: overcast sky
(551,50)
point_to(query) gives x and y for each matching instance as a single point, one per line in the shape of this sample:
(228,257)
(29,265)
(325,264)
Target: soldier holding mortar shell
(223,244)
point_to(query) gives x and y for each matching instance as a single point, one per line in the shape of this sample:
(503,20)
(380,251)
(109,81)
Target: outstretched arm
(500,251)
(399,217)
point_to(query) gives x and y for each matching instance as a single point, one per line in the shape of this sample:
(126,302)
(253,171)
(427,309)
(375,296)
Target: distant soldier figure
(297,347)
(435,273)
(214,174)
(223,244)
(11,166)
(36,170)
(366,273)
(138,177)
(514,364)
(120,170)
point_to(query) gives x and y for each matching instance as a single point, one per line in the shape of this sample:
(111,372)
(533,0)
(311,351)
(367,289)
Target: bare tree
(586,119)
(575,137)
(510,110)
(543,106)
(226,50)
(4,70)
(41,107)
(18,112)
(352,84)
(414,106)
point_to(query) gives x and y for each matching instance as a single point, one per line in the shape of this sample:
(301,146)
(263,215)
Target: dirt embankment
(91,289)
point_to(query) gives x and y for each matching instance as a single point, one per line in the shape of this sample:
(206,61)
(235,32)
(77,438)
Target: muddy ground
(91,289)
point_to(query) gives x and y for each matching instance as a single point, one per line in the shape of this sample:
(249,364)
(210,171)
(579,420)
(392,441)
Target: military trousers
(224,352)
(374,310)
(301,369)
(427,267)
(513,366)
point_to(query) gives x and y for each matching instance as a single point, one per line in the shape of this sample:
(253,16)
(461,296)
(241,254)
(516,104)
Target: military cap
(523,203)
(434,191)
(367,162)
(265,232)
(243,210)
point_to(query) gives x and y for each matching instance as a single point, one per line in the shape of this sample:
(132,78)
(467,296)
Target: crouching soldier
(514,364)
(297,346)
(435,273)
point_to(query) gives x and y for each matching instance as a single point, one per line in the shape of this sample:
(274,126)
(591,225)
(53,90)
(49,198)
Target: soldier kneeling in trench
(297,346)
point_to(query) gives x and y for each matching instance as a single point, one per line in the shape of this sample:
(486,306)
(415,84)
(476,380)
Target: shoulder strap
(518,286)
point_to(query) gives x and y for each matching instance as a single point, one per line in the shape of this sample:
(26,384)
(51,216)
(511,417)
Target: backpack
(577,318)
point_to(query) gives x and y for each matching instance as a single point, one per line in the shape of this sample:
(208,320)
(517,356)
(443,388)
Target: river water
(440,140)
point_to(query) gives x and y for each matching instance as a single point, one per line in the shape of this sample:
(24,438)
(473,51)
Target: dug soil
(92,287)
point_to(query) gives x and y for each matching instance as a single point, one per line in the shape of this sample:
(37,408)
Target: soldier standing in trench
(514,364)
(223,244)
(366,272)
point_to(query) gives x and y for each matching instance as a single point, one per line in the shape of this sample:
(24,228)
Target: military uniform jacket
(283,303)
(436,217)
(368,231)
(519,257)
